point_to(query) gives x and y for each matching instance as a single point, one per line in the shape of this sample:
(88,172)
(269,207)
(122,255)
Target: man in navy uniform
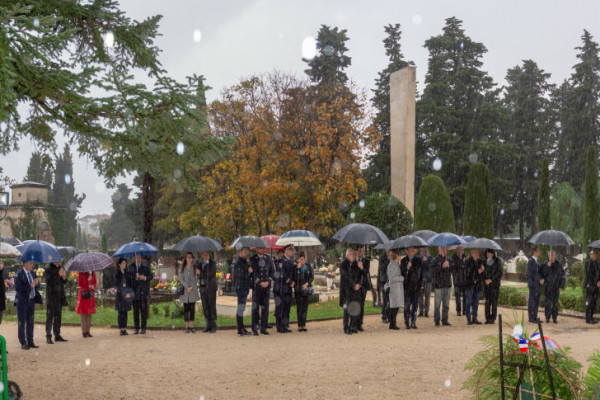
(242,281)
(284,273)
(141,275)
(533,282)
(263,274)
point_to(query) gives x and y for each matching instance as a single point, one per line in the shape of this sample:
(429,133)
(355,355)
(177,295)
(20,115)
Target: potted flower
(331,270)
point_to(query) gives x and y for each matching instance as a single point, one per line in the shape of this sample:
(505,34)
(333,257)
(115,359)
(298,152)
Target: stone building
(29,194)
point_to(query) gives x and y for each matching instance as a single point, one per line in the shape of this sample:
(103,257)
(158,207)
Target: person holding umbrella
(242,281)
(425,294)
(55,277)
(491,279)
(262,265)
(410,268)
(124,295)
(382,278)
(591,285)
(458,279)
(27,286)
(141,275)
(364,265)
(344,287)
(303,278)
(206,270)
(86,301)
(190,296)
(442,283)
(553,278)
(473,277)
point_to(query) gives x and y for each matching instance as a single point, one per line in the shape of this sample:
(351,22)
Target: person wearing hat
(284,282)
(263,275)
(242,281)
(492,275)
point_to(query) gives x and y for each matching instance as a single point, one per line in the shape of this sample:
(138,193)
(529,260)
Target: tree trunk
(148,188)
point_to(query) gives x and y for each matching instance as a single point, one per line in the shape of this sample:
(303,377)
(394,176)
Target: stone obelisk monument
(403,89)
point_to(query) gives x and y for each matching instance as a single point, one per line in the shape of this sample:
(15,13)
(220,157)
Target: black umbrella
(594,245)
(483,243)
(250,242)
(197,244)
(66,250)
(424,234)
(551,238)
(360,234)
(404,242)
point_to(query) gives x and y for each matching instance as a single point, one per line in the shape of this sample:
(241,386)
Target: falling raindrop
(328,50)
(417,19)
(361,204)
(437,164)
(309,48)
(163,275)
(432,206)
(536,174)
(87,362)
(109,39)
(100,187)
(448,382)
(73,206)
(197,36)
(354,308)
(177,173)
(502,211)
(343,204)
(180,148)
(67,179)
(352,215)
(473,158)
(36,22)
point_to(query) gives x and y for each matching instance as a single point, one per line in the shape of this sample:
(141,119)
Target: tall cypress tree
(479,214)
(378,174)
(433,209)
(39,169)
(327,68)
(591,216)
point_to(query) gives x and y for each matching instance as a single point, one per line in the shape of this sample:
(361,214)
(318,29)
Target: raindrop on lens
(309,48)
(462,46)
(261,263)
(87,362)
(238,246)
(73,206)
(197,36)
(354,308)
(517,331)
(109,39)
(361,204)
(431,206)
(490,261)
(328,50)
(100,187)
(180,148)
(514,206)
(163,275)
(352,215)
(177,173)
(417,19)
(116,196)
(448,382)
(502,211)
(473,158)
(36,22)
(437,164)
(68,179)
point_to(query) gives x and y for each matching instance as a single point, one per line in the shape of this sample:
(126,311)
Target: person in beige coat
(396,288)
(189,281)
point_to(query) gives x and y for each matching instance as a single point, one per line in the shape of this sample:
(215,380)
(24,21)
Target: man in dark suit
(141,275)
(591,284)
(206,270)
(364,265)
(533,282)
(27,286)
(344,283)
(55,277)
(286,276)
(242,281)
(261,291)
(381,281)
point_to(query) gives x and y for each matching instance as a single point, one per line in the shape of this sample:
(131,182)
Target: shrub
(433,208)
(177,311)
(522,267)
(478,217)
(578,271)
(572,282)
(155,309)
(167,310)
(385,212)
(512,297)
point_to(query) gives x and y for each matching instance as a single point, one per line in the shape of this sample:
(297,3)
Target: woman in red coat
(86,301)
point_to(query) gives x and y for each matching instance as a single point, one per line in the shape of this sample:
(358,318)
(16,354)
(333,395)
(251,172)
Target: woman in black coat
(303,278)
(491,279)
(124,294)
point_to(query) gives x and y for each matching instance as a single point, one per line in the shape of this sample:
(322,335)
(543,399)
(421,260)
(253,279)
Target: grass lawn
(106,316)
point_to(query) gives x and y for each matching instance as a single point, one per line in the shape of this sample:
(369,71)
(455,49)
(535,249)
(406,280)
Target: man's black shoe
(286,330)
(413,325)
(437,324)
(213,330)
(49,341)
(360,329)
(24,347)
(255,333)
(476,321)
(264,332)
(446,323)
(143,332)
(59,338)
(407,326)
(206,329)
(33,346)
(136,332)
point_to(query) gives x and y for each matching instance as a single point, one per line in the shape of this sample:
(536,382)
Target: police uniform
(262,267)
(282,290)
(242,282)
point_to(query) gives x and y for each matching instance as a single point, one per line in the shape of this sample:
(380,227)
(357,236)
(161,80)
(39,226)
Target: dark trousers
(260,308)
(209,307)
(241,307)
(189,312)
(551,308)
(459,292)
(591,296)
(122,319)
(534,303)
(140,308)
(425,299)
(411,303)
(286,305)
(472,305)
(385,304)
(53,320)
(491,303)
(1,312)
(25,310)
(363,296)
(392,315)
(301,309)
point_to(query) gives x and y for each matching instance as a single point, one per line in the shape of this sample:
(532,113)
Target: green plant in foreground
(485,365)
(592,379)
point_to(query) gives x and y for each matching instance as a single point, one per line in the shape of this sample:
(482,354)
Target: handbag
(86,294)
(180,290)
(308,292)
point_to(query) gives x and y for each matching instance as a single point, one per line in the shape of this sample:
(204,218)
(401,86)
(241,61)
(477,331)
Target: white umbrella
(8,250)
(299,238)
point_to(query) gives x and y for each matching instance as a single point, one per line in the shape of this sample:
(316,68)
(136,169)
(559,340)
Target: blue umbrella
(468,238)
(40,252)
(133,248)
(446,239)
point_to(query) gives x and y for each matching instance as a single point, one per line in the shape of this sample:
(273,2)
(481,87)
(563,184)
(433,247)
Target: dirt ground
(322,363)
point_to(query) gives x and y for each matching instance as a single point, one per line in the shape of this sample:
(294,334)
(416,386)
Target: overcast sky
(228,40)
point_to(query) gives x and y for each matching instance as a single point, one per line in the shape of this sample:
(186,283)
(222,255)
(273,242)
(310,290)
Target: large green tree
(118,228)
(544,221)
(527,133)
(458,114)
(377,173)
(327,68)
(385,212)
(578,109)
(479,211)
(591,211)
(433,208)
(39,169)
(566,208)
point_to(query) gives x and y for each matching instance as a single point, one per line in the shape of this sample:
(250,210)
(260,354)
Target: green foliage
(26,227)
(544,222)
(478,220)
(522,267)
(177,311)
(591,216)
(119,228)
(104,246)
(511,297)
(572,282)
(327,68)
(167,310)
(155,309)
(566,207)
(592,378)
(385,212)
(578,270)
(56,219)
(39,169)
(433,209)
(489,375)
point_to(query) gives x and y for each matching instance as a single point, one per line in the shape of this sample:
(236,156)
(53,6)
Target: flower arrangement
(332,271)
(154,283)
(111,291)
(39,272)
(8,284)
(219,276)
